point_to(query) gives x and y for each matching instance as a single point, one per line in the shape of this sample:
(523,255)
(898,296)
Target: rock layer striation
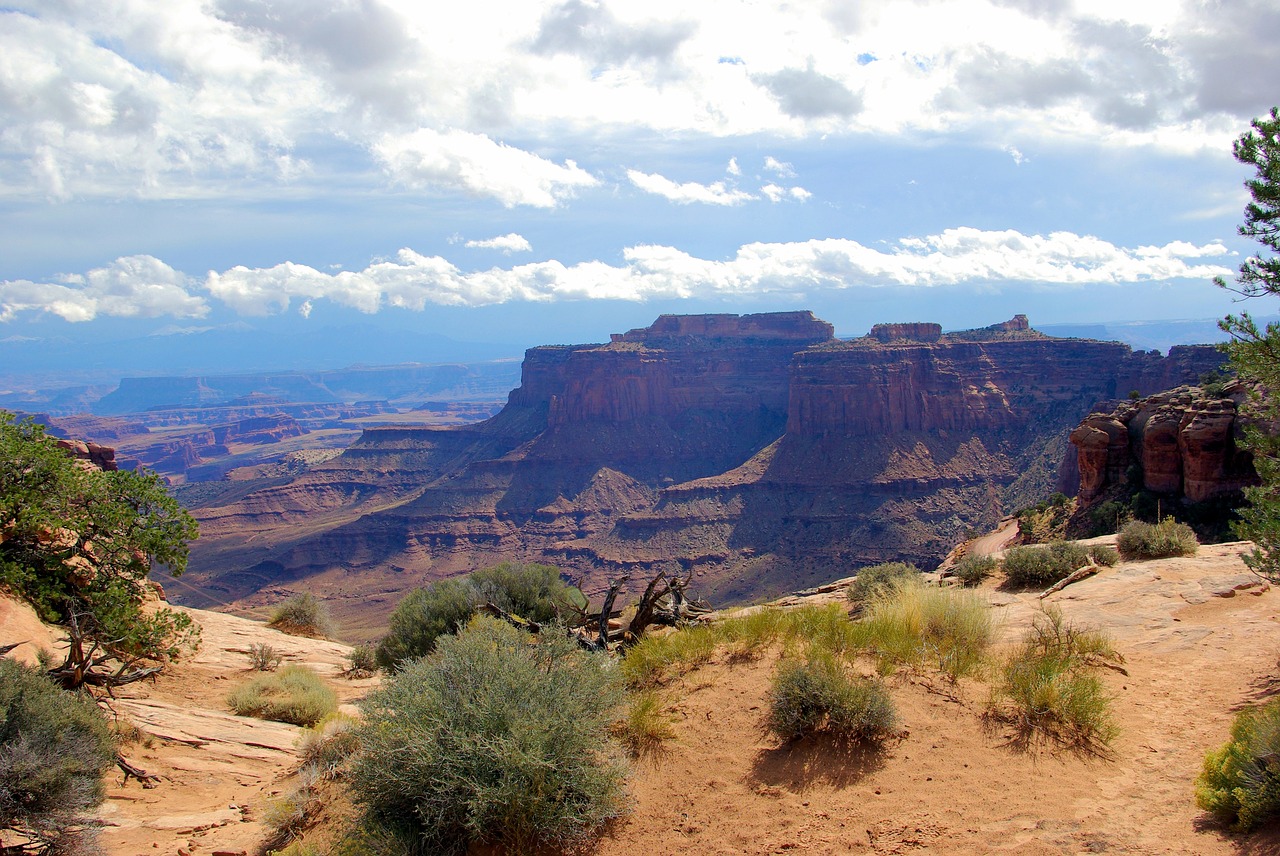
(757,452)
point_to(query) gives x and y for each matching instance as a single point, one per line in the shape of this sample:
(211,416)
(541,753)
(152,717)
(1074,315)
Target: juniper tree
(1254,350)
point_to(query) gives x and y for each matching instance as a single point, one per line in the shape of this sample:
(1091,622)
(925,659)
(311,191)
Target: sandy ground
(951,784)
(954,784)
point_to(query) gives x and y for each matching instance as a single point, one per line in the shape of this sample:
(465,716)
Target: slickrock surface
(219,772)
(955,784)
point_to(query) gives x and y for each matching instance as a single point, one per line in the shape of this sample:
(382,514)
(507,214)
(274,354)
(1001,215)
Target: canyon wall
(757,452)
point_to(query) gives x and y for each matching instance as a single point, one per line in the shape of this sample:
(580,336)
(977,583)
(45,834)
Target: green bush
(495,738)
(1043,566)
(1103,555)
(295,694)
(362,661)
(878,578)
(819,694)
(531,591)
(1138,540)
(972,570)
(913,624)
(55,747)
(423,616)
(1241,781)
(1048,685)
(302,614)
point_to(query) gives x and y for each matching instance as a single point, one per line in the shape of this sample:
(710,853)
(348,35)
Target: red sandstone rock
(1184,441)
(755,450)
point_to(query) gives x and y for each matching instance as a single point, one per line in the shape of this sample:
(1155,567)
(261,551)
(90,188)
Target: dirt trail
(219,772)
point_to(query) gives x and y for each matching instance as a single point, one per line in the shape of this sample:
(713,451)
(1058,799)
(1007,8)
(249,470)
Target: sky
(539,172)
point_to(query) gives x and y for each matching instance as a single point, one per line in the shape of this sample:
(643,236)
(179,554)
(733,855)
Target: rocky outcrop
(906,332)
(100,457)
(757,452)
(1182,442)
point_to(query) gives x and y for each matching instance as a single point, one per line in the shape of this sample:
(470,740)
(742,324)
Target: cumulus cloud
(779,168)
(477,165)
(145,286)
(592,31)
(131,286)
(190,98)
(807,94)
(715,193)
(507,244)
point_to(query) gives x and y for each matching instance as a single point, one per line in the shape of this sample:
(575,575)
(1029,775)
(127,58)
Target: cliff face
(1181,443)
(756,451)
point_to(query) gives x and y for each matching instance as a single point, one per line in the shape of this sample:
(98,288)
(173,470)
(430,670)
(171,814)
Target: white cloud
(201,97)
(733,168)
(773,192)
(145,286)
(507,244)
(477,165)
(800,194)
(779,168)
(1012,151)
(715,193)
(131,286)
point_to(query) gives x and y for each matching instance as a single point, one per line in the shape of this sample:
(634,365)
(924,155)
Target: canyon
(757,453)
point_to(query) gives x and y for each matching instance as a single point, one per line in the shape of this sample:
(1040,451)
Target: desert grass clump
(971,570)
(646,725)
(303,614)
(263,658)
(878,578)
(55,748)
(647,663)
(1049,685)
(1240,782)
(912,624)
(1139,540)
(362,662)
(326,746)
(295,694)
(494,739)
(820,694)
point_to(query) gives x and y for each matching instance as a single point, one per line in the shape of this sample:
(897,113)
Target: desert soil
(951,783)
(954,784)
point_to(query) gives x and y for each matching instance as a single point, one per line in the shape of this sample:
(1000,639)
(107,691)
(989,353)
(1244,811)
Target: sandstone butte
(757,452)
(1198,634)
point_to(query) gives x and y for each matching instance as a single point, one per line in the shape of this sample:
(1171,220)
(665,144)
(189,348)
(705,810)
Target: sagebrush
(531,591)
(821,694)
(1045,565)
(1166,539)
(55,748)
(495,738)
(876,578)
